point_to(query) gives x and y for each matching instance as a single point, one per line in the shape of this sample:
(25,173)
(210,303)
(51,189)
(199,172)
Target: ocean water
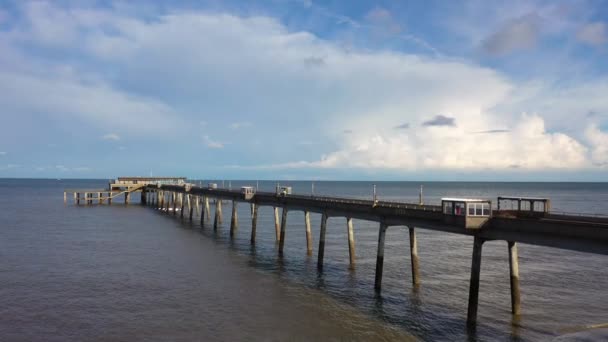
(129,273)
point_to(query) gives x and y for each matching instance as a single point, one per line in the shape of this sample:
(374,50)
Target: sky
(305,89)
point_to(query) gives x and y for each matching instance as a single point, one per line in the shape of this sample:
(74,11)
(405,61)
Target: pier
(513,220)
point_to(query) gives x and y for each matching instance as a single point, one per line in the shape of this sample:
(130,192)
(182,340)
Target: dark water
(129,273)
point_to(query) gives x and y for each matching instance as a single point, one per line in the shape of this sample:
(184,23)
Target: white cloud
(212,143)
(111,137)
(593,34)
(2,153)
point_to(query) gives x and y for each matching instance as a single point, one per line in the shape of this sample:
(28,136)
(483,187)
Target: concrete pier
(351,241)
(308,233)
(414,257)
(322,231)
(583,233)
(380,257)
(514,277)
(474,284)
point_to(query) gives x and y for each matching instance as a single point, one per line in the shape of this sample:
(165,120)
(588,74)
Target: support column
(474,285)
(110,197)
(99,198)
(181,203)
(76,202)
(351,241)
(514,275)
(203,214)
(234,221)
(207,211)
(197,203)
(218,214)
(174,198)
(254,222)
(161,200)
(283,227)
(380,257)
(77,196)
(277,225)
(321,251)
(190,208)
(65,197)
(414,257)
(142,197)
(308,233)
(127,197)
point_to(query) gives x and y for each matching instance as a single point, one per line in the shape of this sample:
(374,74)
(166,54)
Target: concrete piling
(218,214)
(207,211)
(322,231)
(254,222)
(351,241)
(414,257)
(174,198)
(380,257)
(234,221)
(65,197)
(514,276)
(308,233)
(474,285)
(181,203)
(277,225)
(190,208)
(283,228)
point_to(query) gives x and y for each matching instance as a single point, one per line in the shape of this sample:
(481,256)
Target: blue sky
(412,90)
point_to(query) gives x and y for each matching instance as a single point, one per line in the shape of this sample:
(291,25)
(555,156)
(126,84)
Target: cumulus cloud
(516,34)
(599,145)
(111,137)
(403,126)
(593,34)
(527,146)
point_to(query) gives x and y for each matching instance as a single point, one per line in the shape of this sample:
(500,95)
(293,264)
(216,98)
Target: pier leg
(351,241)
(380,257)
(254,222)
(99,198)
(234,221)
(127,197)
(203,215)
(190,208)
(474,286)
(414,257)
(142,198)
(110,197)
(207,211)
(322,231)
(174,198)
(77,195)
(197,203)
(75,199)
(161,200)
(283,228)
(65,197)
(218,208)
(308,233)
(181,203)
(220,214)
(514,273)
(277,225)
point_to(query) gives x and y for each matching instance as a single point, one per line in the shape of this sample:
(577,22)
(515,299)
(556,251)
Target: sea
(131,273)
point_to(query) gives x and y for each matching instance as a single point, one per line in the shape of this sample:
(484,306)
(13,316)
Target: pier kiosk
(466,212)
(518,204)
